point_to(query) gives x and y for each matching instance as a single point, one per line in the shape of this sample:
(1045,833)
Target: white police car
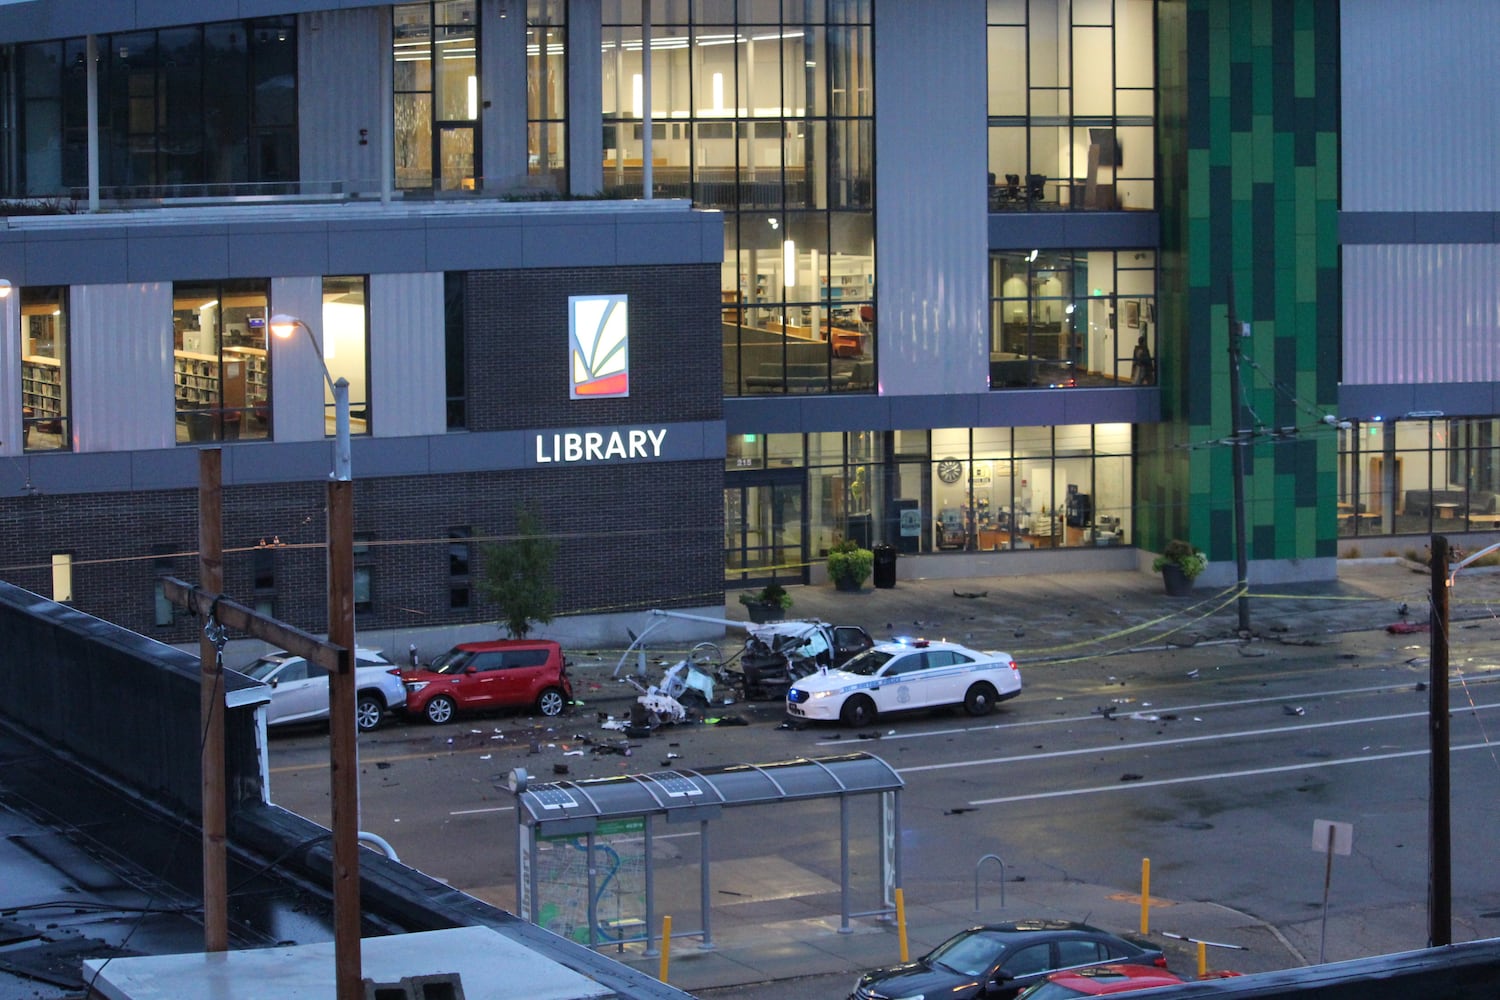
(903,675)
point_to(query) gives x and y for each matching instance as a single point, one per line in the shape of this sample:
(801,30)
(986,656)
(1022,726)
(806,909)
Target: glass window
(221,367)
(62,577)
(45,423)
(1071,105)
(436,87)
(546,90)
(1072,317)
(346,339)
(454,354)
(180,109)
(765,111)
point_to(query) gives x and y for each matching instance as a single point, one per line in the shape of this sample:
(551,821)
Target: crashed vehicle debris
(778,654)
(774,655)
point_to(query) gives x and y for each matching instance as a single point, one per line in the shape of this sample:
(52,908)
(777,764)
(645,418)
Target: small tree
(517,576)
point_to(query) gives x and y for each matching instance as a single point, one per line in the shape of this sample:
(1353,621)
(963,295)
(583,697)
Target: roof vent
(442,986)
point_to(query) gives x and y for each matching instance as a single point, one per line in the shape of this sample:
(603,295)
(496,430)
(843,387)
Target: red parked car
(504,673)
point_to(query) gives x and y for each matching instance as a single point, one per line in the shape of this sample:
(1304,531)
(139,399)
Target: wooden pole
(211,706)
(343,742)
(1439,847)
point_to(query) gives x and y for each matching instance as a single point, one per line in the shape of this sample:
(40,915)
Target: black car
(997,961)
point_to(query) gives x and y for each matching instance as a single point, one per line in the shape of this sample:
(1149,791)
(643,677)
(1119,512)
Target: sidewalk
(1037,620)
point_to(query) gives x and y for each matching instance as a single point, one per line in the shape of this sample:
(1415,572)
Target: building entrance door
(764,528)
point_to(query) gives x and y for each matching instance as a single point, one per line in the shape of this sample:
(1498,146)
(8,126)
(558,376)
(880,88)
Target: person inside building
(1142,367)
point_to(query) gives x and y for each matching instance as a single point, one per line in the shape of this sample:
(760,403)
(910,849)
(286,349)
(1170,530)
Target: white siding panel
(297,380)
(931,235)
(1415,137)
(120,367)
(10,374)
(408,379)
(339,54)
(1426,314)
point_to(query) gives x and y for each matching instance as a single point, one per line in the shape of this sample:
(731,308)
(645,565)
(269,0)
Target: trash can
(885,565)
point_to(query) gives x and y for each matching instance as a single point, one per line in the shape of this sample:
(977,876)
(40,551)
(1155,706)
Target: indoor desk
(1446,511)
(1485,520)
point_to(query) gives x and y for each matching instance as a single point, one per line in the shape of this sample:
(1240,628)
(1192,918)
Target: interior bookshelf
(197,378)
(41,386)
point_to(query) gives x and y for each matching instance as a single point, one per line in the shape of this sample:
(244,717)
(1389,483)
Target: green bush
(849,565)
(772,593)
(1182,555)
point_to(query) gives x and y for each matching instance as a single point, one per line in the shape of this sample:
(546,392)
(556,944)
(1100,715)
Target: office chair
(1013,187)
(1036,187)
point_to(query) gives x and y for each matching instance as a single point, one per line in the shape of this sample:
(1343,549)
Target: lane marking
(1155,710)
(1129,785)
(491,809)
(1178,741)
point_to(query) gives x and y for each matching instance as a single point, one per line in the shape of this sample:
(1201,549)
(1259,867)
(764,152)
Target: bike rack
(977,867)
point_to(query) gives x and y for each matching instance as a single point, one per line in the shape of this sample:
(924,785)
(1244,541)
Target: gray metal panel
(502,72)
(120,367)
(1413,137)
(77,258)
(565,242)
(339,55)
(454,245)
(290,248)
(479,452)
(308,461)
(183,255)
(1073,230)
(297,380)
(585,96)
(1421,314)
(11,441)
(369,246)
(408,387)
(931,211)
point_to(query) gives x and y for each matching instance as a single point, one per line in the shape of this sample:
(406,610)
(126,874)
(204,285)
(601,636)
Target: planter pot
(851,585)
(1176,581)
(762,612)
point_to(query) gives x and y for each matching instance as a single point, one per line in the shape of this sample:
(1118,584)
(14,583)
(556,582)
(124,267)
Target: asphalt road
(1212,760)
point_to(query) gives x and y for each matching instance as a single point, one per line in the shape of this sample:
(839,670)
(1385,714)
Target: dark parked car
(997,961)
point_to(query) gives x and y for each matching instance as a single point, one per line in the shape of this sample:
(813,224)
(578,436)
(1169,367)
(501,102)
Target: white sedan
(903,675)
(299,690)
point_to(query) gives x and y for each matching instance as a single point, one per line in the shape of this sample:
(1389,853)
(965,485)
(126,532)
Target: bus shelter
(599,834)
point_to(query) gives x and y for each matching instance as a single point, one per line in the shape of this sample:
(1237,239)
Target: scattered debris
(726,720)
(486,756)
(869,736)
(1421,685)
(971,593)
(574,753)
(1129,776)
(1107,711)
(559,769)
(1294,709)
(959,811)
(382,765)
(1192,673)
(1406,628)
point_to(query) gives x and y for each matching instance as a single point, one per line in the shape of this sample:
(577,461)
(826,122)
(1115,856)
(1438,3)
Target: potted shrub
(1179,564)
(849,565)
(769,604)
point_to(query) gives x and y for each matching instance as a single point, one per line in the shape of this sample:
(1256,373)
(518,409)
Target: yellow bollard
(1145,895)
(901,922)
(666,946)
(1202,959)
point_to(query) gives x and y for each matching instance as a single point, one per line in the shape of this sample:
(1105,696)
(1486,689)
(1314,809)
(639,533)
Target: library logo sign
(598,346)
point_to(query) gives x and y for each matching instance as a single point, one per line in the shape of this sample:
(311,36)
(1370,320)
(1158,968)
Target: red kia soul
(505,673)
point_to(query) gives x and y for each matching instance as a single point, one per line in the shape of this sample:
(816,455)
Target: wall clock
(950,470)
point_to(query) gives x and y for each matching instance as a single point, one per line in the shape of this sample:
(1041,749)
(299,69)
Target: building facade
(1015,286)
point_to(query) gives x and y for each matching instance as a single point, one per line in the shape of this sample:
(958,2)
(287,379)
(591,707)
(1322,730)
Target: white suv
(299,690)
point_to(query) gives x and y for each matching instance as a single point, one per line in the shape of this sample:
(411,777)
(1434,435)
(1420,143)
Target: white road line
(1122,710)
(1131,785)
(1180,741)
(475,812)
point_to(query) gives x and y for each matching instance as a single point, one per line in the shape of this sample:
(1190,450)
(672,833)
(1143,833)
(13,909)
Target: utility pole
(1439,832)
(211,706)
(1241,442)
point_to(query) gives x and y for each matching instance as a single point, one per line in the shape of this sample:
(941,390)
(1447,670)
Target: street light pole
(343,733)
(1439,835)
(1240,443)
